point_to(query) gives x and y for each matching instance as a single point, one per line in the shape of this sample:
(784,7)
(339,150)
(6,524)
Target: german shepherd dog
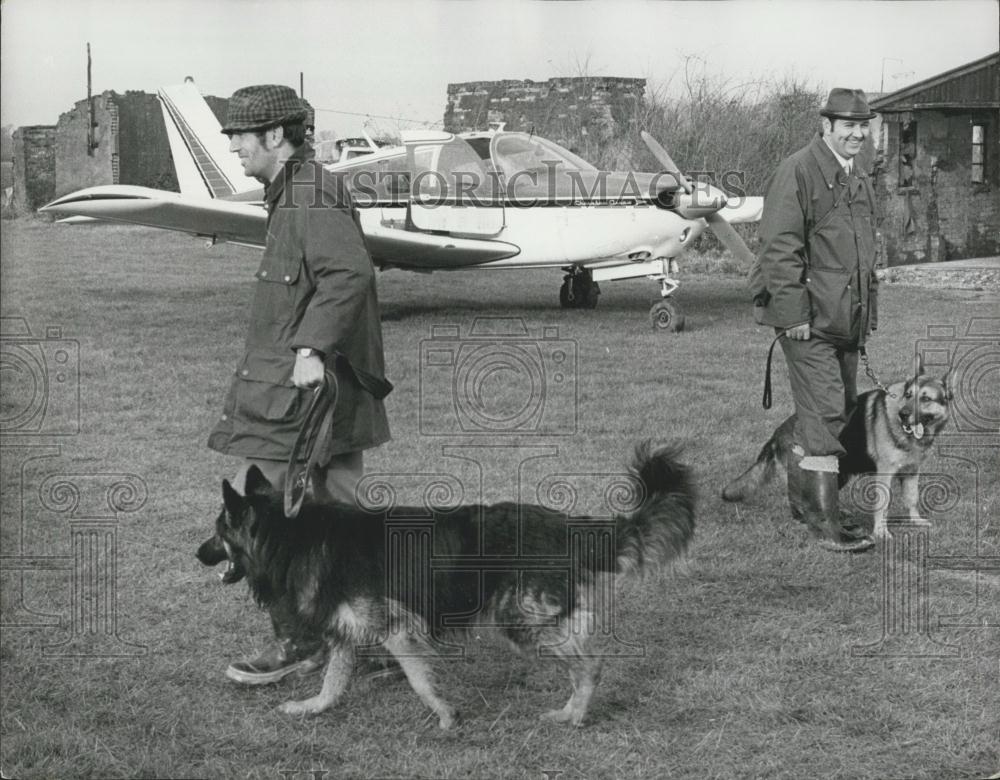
(888,435)
(329,565)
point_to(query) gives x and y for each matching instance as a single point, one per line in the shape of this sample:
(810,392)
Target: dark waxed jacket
(818,248)
(315,288)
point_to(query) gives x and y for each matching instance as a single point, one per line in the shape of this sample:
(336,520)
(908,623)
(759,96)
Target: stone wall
(34,167)
(144,157)
(560,106)
(129,146)
(75,166)
(942,215)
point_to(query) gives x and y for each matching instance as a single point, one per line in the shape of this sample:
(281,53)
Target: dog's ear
(256,483)
(946,383)
(233,502)
(918,365)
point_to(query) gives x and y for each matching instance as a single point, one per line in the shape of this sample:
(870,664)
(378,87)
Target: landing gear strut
(664,314)
(579,290)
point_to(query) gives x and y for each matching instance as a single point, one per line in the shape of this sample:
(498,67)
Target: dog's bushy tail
(760,472)
(663,525)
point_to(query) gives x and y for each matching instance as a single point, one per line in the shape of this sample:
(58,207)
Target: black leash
(766,400)
(305,453)
(869,372)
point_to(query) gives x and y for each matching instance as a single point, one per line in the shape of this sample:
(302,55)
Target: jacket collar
(289,169)
(828,163)
(826,160)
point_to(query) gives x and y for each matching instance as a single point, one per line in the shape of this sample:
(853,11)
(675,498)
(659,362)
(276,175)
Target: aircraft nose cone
(703,200)
(709,197)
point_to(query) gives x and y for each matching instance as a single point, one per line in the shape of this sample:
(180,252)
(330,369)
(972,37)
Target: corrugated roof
(975,84)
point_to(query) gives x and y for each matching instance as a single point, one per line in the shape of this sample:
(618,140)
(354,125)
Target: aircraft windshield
(513,152)
(491,169)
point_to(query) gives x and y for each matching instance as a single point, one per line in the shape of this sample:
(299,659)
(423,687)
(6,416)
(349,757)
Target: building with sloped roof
(939,174)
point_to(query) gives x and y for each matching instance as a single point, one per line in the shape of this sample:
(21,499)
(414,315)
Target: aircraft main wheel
(586,292)
(664,316)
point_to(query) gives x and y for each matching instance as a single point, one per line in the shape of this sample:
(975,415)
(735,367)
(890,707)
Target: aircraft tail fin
(204,165)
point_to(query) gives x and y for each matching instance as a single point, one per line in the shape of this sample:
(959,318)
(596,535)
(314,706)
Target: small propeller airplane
(445,202)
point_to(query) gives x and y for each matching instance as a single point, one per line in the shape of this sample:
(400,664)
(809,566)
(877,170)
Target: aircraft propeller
(725,232)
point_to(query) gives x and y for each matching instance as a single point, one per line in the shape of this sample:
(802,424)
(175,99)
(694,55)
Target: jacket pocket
(830,300)
(279,267)
(264,389)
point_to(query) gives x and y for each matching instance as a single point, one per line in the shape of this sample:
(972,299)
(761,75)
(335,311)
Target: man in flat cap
(816,285)
(314,310)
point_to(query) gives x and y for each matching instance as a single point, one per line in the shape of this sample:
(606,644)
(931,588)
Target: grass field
(761,656)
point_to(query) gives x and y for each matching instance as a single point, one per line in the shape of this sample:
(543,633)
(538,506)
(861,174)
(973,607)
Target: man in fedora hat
(816,286)
(314,310)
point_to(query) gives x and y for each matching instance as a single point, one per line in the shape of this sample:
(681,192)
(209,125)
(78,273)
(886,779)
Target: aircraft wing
(416,251)
(220,220)
(246,223)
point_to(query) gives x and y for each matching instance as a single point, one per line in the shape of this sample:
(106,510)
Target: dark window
(907,152)
(978,154)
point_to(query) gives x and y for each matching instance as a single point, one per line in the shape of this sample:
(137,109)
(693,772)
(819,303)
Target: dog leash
(870,373)
(305,453)
(766,400)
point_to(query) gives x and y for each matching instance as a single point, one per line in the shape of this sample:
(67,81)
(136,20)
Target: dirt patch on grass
(965,278)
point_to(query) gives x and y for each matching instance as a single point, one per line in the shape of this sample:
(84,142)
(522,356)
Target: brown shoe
(275,664)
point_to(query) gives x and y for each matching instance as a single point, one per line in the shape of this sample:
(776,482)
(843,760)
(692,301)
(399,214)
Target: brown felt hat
(263,106)
(846,104)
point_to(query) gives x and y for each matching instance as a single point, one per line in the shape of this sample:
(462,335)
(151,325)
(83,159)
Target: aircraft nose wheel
(665,316)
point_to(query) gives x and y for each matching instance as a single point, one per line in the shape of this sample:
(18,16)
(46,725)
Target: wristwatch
(307,352)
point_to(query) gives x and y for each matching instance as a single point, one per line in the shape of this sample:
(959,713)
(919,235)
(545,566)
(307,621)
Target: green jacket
(818,248)
(315,288)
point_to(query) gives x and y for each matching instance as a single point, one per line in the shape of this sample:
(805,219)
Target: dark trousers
(336,481)
(824,388)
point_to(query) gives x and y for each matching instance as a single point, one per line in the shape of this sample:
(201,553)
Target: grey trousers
(824,388)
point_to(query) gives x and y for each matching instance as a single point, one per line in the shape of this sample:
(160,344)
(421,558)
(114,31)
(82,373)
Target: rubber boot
(292,652)
(795,500)
(849,528)
(822,513)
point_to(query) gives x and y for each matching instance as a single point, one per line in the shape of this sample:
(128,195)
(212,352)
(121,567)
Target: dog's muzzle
(213,552)
(916,430)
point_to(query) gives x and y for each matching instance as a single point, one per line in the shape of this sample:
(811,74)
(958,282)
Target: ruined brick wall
(130,143)
(34,167)
(942,215)
(559,107)
(144,157)
(75,168)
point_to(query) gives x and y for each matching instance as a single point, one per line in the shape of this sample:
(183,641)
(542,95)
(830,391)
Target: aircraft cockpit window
(452,170)
(514,152)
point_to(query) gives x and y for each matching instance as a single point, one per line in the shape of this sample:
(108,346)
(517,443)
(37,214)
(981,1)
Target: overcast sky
(389,58)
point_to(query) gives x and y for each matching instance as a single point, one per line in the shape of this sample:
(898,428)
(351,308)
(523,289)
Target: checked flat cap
(846,104)
(263,106)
